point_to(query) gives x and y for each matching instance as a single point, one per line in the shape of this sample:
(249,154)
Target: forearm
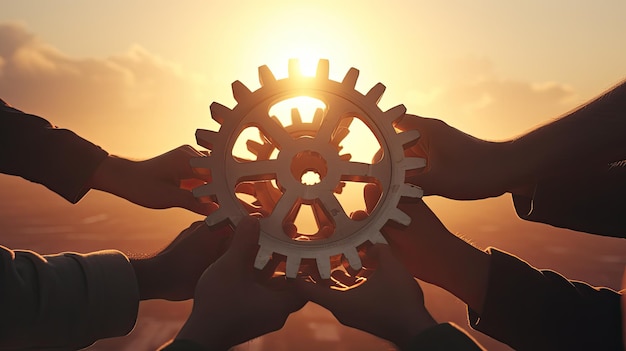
(529,309)
(590,137)
(64,301)
(32,148)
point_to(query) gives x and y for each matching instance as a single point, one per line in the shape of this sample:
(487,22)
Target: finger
(371,194)
(358,215)
(408,122)
(246,188)
(190,183)
(186,200)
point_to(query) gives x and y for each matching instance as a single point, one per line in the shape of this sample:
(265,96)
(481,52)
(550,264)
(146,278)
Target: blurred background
(137,77)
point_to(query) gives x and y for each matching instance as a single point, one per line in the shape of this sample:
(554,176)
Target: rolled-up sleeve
(65,301)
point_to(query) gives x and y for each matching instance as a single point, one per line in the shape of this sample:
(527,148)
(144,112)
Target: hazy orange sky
(136,77)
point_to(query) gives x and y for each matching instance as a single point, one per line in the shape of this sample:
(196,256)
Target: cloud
(132,103)
(472,96)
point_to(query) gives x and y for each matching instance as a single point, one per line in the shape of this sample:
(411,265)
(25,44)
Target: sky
(137,77)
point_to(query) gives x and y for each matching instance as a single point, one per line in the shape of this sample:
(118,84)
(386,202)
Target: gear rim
(252,109)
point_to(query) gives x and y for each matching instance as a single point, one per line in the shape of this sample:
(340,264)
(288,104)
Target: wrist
(202,332)
(148,277)
(110,174)
(466,272)
(516,168)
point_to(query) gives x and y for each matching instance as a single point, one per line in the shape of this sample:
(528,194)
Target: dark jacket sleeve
(590,201)
(443,337)
(32,148)
(531,309)
(65,301)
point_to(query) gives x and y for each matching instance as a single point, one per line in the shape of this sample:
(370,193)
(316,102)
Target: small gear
(304,147)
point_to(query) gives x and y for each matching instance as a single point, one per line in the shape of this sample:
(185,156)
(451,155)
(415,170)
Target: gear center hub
(309,167)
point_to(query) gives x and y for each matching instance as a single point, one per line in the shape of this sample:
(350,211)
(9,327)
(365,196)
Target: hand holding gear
(304,147)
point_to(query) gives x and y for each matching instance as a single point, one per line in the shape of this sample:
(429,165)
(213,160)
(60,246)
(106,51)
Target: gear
(304,147)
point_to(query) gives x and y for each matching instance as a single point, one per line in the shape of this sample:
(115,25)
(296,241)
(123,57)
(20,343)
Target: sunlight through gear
(304,148)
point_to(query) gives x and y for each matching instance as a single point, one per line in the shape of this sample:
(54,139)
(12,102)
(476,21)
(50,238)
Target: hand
(160,182)
(460,166)
(390,304)
(431,253)
(172,274)
(231,304)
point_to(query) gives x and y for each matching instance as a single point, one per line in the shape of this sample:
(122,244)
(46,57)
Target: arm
(527,308)
(66,301)
(34,149)
(31,147)
(233,303)
(390,305)
(70,300)
(577,155)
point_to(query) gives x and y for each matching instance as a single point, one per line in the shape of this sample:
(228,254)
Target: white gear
(307,147)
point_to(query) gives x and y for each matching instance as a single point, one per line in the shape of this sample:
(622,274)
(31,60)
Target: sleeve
(529,309)
(593,202)
(32,148)
(65,301)
(443,337)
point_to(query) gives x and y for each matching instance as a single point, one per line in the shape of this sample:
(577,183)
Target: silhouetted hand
(160,182)
(458,165)
(430,252)
(231,304)
(390,304)
(172,273)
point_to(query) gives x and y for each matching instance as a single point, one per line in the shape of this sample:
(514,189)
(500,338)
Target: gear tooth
(215,217)
(200,162)
(296,119)
(204,190)
(317,117)
(394,113)
(254,147)
(397,215)
(410,190)
(353,258)
(408,136)
(292,266)
(266,76)
(339,135)
(219,112)
(262,257)
(323,267)
(350,79)
(276,120)
(322,69)
(294,68)
(410,163)
(205,138)
(377,238)
(345,157)
(376,92)
(240,91)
